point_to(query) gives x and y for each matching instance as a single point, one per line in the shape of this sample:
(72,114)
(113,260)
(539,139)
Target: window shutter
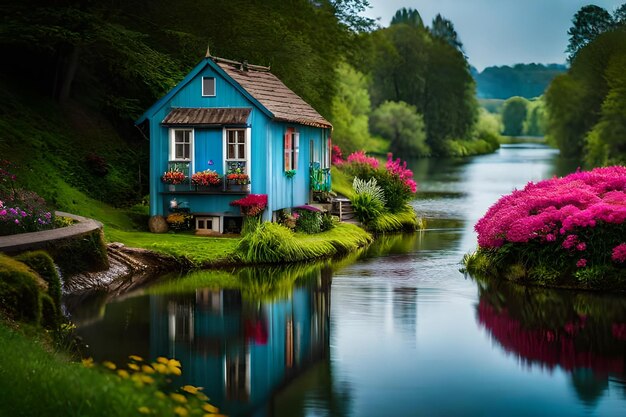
(296,149)
(287,148)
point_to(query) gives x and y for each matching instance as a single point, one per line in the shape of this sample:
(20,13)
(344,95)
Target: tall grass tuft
(405,220)
(273,243)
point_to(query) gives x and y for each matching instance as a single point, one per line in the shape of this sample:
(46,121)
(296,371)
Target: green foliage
(19,291)
(586,106)
(589,22)
(514,114)
(368,187)
(367,208)
(536,118)
(523,80)
(397,194)
(405,221)
(407,16)
(309,222)
(80,253)
(350,109)
(402,126)
(273,243)
(42,263)
(443,29)
(29,370)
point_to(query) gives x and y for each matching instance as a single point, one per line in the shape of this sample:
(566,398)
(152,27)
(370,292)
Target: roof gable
(258,85)
(274,95)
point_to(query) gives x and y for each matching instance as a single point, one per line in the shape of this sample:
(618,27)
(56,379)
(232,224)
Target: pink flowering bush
(398,169)
(360,157)
(575,224)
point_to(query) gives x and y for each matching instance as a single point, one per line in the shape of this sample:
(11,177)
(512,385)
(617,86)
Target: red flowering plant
(173,177)
(251,207)
(561,231)
(206,178)
(336,156)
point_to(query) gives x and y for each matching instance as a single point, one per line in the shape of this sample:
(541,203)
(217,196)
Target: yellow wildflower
(175,371)
(202,397)
(178,397)
(160,394)
(160,368)
(173,362)
(181,411)
(133,366)
(144,410)
(147,369)
(209,408)
(162,360)
(110,365)
(191,389)
(87,363)
(123,373)
(136,358)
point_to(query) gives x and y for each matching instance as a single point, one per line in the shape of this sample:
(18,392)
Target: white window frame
(247,148)
(172,150)
(291,155)
(214,87)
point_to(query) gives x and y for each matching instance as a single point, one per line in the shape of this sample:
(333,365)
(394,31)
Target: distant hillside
(524,80)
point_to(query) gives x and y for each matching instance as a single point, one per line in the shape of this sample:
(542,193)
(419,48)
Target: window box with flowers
(208,179)
(237,179)
(173,178)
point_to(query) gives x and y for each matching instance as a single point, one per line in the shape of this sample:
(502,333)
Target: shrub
(23,211)
(308,221)
(328,222)
(369,200)
(575,224)
(42,263)
(19,291)
(360,158)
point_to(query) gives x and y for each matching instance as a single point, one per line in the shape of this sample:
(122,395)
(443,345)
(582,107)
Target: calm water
(396,330)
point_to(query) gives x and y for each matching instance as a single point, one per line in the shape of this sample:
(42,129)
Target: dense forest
(523,80)
(587,105)
(82,71)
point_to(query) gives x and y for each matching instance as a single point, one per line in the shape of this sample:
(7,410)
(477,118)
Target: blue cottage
(242,122)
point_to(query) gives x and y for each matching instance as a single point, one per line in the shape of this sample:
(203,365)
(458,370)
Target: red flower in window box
(173,177)
(208,177)
(236,178)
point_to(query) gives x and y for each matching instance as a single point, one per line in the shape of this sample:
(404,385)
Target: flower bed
(567,231)
(206,178)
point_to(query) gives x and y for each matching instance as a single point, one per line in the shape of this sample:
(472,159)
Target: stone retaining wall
(42,240)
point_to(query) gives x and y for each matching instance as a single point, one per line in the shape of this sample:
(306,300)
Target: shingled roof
(213,116)
(275,96)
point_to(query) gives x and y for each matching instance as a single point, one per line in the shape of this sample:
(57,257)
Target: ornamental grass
(568,231)
(274,243)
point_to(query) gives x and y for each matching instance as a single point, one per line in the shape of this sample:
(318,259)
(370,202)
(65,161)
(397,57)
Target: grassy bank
(34,381)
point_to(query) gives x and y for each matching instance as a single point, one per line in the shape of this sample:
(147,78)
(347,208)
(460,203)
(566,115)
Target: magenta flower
(619,253)
(3,212)
(581,246)
(582,262)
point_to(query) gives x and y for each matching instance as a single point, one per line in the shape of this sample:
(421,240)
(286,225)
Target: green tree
(588,23)
(443,29)
(350,110)
(409,17)
(535,122)
(400,123)
(513,115)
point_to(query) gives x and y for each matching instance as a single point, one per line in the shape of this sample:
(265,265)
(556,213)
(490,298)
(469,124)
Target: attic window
(208,87)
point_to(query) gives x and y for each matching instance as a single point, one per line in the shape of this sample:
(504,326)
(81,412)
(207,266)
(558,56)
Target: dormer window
(208,86)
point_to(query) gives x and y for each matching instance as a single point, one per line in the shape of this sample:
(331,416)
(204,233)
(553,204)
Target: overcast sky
(500,32)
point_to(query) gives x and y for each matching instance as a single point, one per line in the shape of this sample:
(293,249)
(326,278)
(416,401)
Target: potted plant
(238,178)
(208,178)
(173,178)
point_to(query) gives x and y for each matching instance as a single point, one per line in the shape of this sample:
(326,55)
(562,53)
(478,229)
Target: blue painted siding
(208,146)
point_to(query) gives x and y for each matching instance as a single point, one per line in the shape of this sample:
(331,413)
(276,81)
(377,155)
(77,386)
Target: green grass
(273,243)
(199,250)
(405,220)
(37,382)
(342,182)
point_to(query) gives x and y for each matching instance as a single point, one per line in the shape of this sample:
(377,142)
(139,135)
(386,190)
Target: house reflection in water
(242,350)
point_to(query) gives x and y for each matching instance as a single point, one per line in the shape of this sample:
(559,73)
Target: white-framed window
(208,86)
(181,144)
(291,149)
(236,144)
(208,223)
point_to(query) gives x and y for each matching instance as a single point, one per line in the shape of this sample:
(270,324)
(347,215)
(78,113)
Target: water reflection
(240,345)
(581,333)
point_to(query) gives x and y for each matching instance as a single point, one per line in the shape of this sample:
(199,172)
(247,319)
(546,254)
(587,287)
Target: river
(394,330)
